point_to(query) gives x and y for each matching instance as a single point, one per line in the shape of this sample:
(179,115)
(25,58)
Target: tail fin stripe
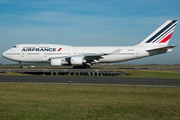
(166,38)
(160,39)
(164,33)
(161,31)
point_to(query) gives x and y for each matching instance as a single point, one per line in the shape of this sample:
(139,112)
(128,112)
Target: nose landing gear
(20,65)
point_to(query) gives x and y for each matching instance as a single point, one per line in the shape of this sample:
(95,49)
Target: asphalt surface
(91,80)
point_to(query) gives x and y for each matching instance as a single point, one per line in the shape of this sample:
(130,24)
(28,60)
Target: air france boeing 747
(83,57)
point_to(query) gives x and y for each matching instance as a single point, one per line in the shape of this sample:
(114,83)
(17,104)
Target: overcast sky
(88,23)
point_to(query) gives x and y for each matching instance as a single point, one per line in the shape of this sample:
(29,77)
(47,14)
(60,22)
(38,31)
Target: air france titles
(39,49)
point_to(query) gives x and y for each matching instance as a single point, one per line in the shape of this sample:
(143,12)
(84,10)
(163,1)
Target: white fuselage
(45,52)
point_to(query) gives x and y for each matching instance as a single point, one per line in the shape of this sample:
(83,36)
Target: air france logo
(40,49)
(59,49)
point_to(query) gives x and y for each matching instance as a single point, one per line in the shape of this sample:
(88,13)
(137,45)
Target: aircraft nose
(4,54)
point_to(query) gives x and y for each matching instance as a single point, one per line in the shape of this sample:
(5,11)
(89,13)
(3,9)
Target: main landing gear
(20,65)
(82,67)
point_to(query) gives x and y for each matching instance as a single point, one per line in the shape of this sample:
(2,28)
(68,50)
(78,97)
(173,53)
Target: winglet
(115,52)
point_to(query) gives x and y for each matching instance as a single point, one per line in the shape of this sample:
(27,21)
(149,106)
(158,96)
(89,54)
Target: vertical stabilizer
(161,36)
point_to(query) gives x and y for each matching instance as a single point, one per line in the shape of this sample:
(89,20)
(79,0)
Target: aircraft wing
(166,47)
(115,52)
(89,57)
(102,54)
(96,57)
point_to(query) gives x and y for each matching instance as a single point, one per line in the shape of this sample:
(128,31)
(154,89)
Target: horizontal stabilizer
(166,47)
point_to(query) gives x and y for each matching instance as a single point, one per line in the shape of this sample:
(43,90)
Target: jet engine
(56,62)
(76,61)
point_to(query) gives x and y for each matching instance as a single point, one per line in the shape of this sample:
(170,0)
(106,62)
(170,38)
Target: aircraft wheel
(20,65)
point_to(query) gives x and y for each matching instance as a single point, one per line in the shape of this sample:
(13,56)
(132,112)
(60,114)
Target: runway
(91,80)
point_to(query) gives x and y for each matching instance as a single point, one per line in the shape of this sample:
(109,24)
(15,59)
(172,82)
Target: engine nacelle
(56,62)
(76,61)
(169,50)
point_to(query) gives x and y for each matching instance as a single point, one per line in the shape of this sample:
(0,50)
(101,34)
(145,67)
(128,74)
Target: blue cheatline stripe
(164,33)
(161,31)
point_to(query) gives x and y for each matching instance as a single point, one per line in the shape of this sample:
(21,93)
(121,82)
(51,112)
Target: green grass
(171,74)
(164,71)
(22,101)
(18,74)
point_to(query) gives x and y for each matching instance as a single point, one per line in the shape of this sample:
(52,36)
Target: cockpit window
(14,46)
